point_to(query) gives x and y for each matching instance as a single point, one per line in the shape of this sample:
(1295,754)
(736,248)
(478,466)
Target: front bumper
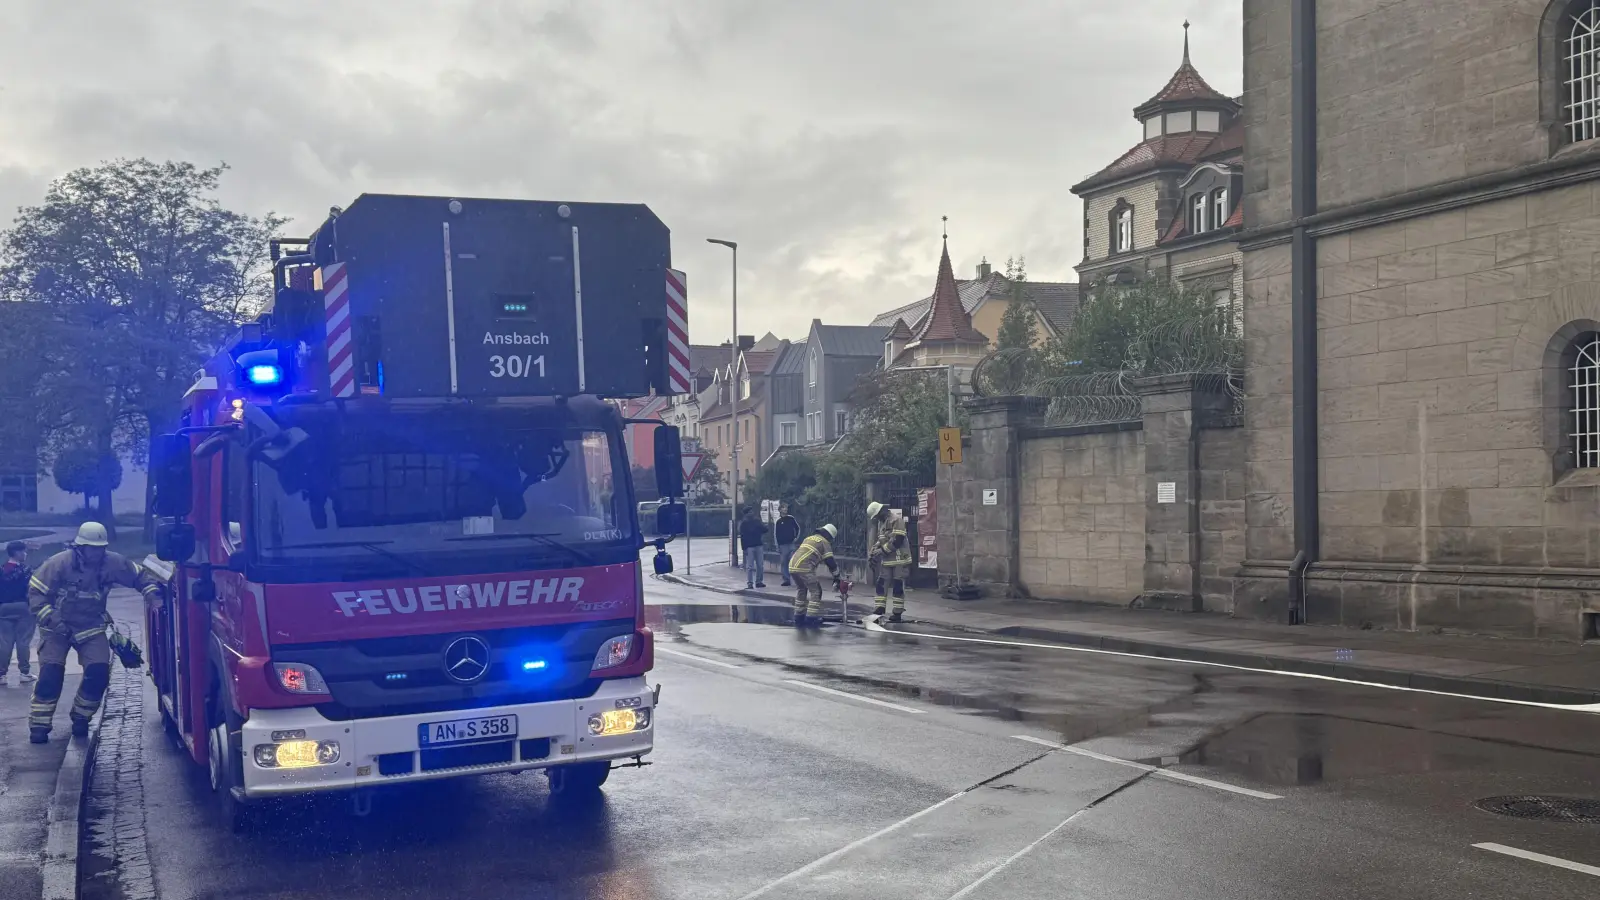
(563,723)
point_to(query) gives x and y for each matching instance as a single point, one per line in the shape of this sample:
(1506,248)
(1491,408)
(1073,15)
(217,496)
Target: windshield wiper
(372,546)
(546,539)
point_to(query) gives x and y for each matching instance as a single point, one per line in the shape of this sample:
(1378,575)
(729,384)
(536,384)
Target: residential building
(683,410)
(1172,203)
(786,402)
(737,418)
(984,299)
(836,358)
(1422,302)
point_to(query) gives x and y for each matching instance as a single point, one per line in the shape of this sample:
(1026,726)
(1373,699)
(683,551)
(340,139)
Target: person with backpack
(16,623)
(786,533)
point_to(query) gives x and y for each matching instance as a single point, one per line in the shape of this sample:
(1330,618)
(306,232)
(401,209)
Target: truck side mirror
(669,464)
(672,519)
(175,541)
(170,462)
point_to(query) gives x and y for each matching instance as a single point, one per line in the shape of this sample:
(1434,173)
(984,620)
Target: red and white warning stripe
(336,313)
(677,332)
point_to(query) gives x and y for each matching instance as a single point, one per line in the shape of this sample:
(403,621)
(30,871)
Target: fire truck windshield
(420,488)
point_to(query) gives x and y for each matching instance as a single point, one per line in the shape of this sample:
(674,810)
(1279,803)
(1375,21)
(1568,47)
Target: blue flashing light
(533,665)
(264,375)
(395,676)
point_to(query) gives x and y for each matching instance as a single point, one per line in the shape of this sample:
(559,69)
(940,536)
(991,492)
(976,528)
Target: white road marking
(849,696)
(824,860)
(1593,708)
(1015,856)
(1556,861)
(1164,773)
(709,662)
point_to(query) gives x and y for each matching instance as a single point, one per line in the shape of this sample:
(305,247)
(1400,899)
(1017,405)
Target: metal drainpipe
(1303,324)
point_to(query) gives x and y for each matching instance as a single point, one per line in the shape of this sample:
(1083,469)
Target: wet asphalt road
(777,775)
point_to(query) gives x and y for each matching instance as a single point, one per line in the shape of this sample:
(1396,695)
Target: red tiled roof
(1180,227)
(758,361)
(1228,146)
(1186,85)
(947,320)
(1167,150)
(1237,219)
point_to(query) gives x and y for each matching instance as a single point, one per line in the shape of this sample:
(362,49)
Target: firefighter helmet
(873,509)
(92,534)
(832,531)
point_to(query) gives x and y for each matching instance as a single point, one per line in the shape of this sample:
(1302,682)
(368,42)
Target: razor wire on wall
(1208,346)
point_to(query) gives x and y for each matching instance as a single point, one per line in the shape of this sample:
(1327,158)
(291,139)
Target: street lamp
(733,400)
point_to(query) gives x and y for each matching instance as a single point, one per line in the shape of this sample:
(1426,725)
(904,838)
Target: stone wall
(1145,198)
(1082,517)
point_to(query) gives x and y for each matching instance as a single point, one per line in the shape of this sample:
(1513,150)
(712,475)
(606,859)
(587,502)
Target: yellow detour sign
(949,446)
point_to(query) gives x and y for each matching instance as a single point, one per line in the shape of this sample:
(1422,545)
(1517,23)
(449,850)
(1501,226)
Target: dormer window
(1219,207)
(1198,205)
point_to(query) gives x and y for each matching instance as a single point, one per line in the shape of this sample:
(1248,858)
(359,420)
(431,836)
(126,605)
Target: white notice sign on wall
(1166,492)
(991,497)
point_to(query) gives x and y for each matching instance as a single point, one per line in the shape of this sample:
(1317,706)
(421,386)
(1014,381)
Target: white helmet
(92,534)
(832,531)
(873,509)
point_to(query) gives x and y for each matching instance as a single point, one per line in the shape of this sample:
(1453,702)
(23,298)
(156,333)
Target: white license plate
(466,731)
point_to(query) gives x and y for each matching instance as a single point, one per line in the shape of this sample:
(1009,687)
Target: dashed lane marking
(1556,861)
(849,696)
(709,662)
(1154,770)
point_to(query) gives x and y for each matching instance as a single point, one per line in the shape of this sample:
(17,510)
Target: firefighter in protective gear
(815,550)
(67,594)
(889,552)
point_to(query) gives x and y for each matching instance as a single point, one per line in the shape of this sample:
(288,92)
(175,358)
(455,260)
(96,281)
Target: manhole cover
(1555,809)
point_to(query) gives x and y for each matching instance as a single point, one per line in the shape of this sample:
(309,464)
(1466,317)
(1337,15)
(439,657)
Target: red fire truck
(397,522)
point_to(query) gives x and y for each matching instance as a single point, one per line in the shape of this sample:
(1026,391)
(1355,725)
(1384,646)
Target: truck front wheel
(578,780)
(225,764)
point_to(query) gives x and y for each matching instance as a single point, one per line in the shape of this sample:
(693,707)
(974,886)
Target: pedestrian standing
(16,623)
(786,533)
(752,538)
(67,596)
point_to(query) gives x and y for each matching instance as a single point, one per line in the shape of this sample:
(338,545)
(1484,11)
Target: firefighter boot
(895,617)
(38,735)
(880,609)
(80,727)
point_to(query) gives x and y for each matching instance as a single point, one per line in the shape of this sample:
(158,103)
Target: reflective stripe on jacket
(814,551)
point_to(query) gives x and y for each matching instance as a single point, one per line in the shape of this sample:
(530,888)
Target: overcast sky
(826,136)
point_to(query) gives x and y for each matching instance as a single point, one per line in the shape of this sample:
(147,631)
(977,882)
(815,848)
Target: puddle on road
(1303,749)
(1070,703)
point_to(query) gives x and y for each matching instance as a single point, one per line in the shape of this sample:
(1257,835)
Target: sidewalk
(40,786)
(1533,671)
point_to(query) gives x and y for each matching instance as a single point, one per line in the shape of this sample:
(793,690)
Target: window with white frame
(813,362)
(1122,232)
(1585,401)
(744,387)
(1580,71)
(1197,214)
(786,432)
(840,420)
(1219,207)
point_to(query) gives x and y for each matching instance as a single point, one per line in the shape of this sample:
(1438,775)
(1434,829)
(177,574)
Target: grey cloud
(826,137)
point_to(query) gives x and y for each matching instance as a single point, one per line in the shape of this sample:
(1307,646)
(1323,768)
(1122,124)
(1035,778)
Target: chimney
(746,341)
(984,269)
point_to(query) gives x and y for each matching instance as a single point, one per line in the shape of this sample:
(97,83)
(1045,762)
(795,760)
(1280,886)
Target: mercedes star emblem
(466,659)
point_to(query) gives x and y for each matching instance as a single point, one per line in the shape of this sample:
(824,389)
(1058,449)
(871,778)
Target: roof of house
(849,340)
(1057,302)
(758,361)
(901,331)
(706,358)
(792,361)
(947,318)
(1185,86)
(1181,151)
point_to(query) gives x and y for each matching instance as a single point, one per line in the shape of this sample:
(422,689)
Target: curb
(59,869)
(1482,688)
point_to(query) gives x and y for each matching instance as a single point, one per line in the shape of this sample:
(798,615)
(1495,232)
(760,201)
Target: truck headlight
(614,652)
(618,721)
(299,678)
(296,754)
